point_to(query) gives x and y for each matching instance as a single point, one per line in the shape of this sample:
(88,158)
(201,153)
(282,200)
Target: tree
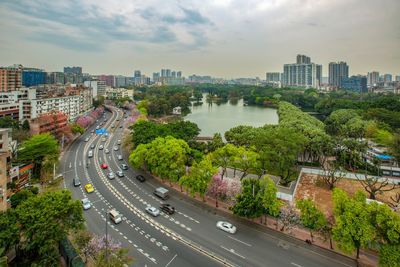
(20,197)
(8,122)
(288,217)
(241,135)
(389,256)
(248,203)
(215,143)
(44,221)
(394,147)
(81,239)
(375,185)
(224,157)
(9,232)
(37,149)
(245,160)
(338,119)
(76,128)
(199,177)
(353,229)
(396,202)
(270,202)
(217,188)
(25,125)
(310,216)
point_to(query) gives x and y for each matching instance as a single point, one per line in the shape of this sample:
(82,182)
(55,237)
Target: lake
(212,118)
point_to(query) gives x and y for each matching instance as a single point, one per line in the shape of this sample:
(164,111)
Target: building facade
(10,78)
(33,77)
(356,84)
(52,122)
(372,78)
(273,77)
(99,88)
(387,78)
(73,70)
(303,73)
(5,166)
(337,72)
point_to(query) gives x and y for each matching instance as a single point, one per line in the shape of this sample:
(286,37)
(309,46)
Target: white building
(303,73)
(99,88)
(119,93)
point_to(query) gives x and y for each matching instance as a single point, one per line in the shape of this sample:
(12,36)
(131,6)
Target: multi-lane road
(189,237)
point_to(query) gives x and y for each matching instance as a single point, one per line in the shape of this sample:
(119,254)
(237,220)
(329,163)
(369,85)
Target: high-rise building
(167,73)
(355,83)
(108,79)
(303,59)
(272,77)
(179,74)
(99,88)
(163,73)
(156,77)
(121,81)
(173,74)
(33,77)
(73,70)
(304,74)
(10,78)
(372,78)
(337,72)
(397,79)
(387,78)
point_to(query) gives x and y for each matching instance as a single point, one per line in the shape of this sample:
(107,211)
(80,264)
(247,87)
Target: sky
(221,38)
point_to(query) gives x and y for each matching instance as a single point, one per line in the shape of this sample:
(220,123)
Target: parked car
(227,227)
(111,175)
(119,157)
(89,188)
(167,208)
(120,174)
(86,204)
(76,182)
(124,166)
(152,211)
(140,178)
(104,166)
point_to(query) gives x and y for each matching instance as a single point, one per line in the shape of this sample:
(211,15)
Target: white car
(101,147)
(111,175)
(115,148)
(120,174)
(118,142)
(119,157)
(106,151)
(86,204)
(227,227)
(152,211)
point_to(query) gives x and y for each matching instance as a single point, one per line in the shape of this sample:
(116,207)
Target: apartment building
(5,165)
(10,78)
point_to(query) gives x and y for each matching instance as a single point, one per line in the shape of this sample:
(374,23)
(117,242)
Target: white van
(115,216)
(90,155)
(161,192)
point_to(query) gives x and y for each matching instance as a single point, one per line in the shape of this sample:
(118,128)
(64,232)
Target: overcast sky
(222,38)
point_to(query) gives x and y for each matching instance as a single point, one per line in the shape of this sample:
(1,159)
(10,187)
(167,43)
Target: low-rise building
(52,122)
(112,93)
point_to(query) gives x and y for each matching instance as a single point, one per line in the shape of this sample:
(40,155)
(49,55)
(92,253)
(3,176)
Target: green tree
(9,232)
(117,258)
(248,203)
(394,148)
(270,201)
(25,125)
(76,128)
(389,255)
(310,216)
(8,122)
(20,197)
(245,160)
(199,177)
(215,143)
(353,229)
(38,149)
(224,157)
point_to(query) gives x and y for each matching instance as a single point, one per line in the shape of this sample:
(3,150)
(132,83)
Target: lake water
(212,118)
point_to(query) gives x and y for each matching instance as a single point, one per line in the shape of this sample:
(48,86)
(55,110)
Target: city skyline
(227,39)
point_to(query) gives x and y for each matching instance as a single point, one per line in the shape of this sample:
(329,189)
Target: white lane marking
(233,252)
(171,260)
(70,164)
(295,264)
(247,244)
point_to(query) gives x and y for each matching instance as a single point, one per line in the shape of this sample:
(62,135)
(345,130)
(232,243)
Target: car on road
(97,127)
(226,226)
(106,151)
(161,192)
(115,148)
(87,139)
(101,147)
(118,142)
(92,146)
(76,182)
(115,216)
(124,166)
(153,211)
(111,175)
(104,166)
(120,174)
(167,208)
(120,126)
(89,188)
(119,157)
(86,204)
(92,131)
(140,178)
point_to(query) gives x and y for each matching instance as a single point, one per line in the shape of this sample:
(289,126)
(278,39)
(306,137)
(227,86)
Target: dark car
(76,182)
(167,208)
(140,178)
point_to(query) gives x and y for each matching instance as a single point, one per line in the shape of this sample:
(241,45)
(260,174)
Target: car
(104,166)
(103,139)
(112,126)
(111,175)
(120,126)
(106,151)
(115,216)
(92,146)
(119,157)
(153,211)
(120,174)
(97,127)
(118,142)
(101,147)
(86,204)
(115,148)
(167,208)
(76,182)
(87,139)
(117,119)
(89,188)
(140,178)
(92,131)
(226,226)
(124,166)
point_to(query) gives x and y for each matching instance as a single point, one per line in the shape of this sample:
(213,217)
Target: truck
(161,192)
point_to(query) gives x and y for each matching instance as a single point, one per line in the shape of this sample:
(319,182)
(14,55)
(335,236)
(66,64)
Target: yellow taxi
(89,188)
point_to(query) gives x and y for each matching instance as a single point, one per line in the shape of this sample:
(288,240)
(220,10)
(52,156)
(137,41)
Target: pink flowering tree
(234,188)
(98,244)
(218,188)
